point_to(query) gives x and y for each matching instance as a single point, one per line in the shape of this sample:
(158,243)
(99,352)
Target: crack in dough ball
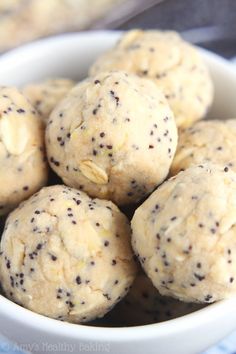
(144,305)
(173,64)
(184,235)
(207,141)
(22,158)
(45,95)
(113,136)
(66,256)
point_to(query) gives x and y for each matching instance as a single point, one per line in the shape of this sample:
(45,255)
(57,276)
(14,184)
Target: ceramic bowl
(70,56)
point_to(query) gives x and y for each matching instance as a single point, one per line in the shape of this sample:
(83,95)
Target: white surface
(70,56)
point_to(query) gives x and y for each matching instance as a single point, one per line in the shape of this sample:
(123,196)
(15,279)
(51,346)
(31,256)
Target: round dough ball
(144,305)
(45,95)
(23,163)
(173,64)
(207,141)
(113,136)
(66,256)
(26,20)
(184,235)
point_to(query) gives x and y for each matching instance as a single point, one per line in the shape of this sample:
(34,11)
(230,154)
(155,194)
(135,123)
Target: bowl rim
(43,43)
(15,312)
(211,313)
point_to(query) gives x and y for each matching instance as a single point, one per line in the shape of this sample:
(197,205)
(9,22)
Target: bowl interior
(70,56)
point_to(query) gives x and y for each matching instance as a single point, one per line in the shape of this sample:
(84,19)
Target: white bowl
(70,56)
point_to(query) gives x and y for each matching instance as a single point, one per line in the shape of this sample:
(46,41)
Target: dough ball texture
(66,256)
(207,141)
(114,136)
(184,235)
(45,95)
(144,305)
(173,64)
(23,163)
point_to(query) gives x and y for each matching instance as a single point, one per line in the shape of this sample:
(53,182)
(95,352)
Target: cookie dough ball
(45,95)
(144,305)
(207,141)
(26,20)
(173,64)
(23,164)
(184,235)
(66,256)
(114,136)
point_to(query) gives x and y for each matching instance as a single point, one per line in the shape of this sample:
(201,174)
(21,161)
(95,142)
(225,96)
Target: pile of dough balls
(45,95)
(207,141)
(66,255)
(184,234)
(22,157)
(113,136)
(173,64)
